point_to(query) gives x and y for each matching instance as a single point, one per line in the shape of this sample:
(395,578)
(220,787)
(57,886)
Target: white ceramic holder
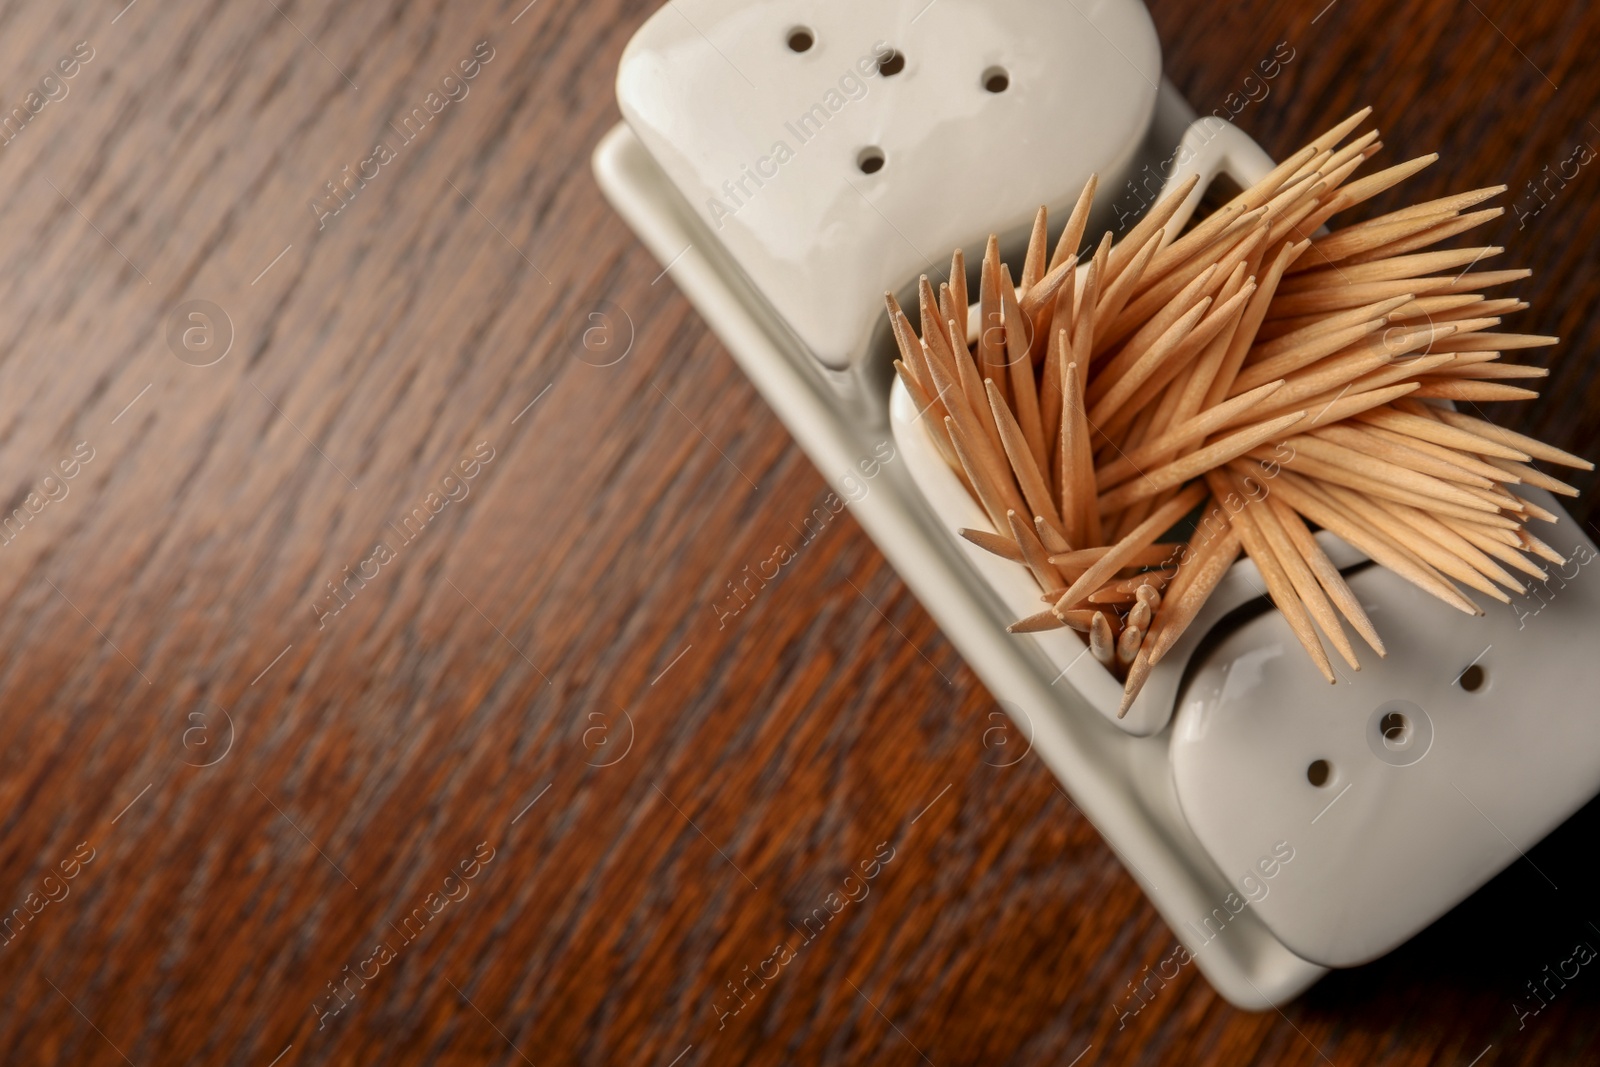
(1203,791)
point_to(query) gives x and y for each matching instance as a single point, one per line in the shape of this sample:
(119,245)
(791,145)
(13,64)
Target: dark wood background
(160,616)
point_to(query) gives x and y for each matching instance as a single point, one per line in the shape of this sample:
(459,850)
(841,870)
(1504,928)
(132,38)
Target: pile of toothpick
(1268,379)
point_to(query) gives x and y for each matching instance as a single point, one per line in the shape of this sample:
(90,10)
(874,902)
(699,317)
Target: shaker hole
(1395,728)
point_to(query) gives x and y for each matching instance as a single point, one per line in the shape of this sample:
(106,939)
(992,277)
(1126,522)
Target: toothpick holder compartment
(1208,149)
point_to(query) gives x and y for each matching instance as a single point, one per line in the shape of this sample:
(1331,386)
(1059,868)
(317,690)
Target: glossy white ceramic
(768,144)
(1122,783)
(1437,777)
(1257,871)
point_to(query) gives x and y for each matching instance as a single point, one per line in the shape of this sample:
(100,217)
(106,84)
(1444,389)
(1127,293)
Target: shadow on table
(1468,973)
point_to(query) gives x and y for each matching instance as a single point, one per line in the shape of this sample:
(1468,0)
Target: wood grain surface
(262,789)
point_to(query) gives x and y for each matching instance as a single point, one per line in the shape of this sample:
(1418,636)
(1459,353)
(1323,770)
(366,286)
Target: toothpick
(1441,433)
(1298,495)
(1148,302)
(1485,540)
(1050,537)
(987,488)
(1295,566)
(1504,471)
(1142,385)
(1398,268)
(1334,464)
(1369,441)
(1453,203)
(1033,264)
(932,410)
(1542,550)
(1115,296)
(1327,575)
(1279,586)
(1498,436)
(1072,237)
(1141,537)
(1196,463)
(1206,569)
(1385,514)
(1453,544)
(1222,384)
(1250,357)
(1003,547)
(1419,311)
(1470,306)
(1162,554)
(1083,316)
(1146,228)
(1372,185)
(1323,325)
(1128,644)
(1139,614)
(1101,643)
(1327,139)
(1364,237)
(1079,511)
(1181,436)
(1442,230)
(1522,472)
(932,331)
(958,290)
(1468,391)
(1522,508)
(992,354)
(1024,393)
(1019,452)
(1153,330)
(1488,279)
(1297,357)
(1037,623)
(1333,298)
(1502,342)
(1033,554)
(1126,590)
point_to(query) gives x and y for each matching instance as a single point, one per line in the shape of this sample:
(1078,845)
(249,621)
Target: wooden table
(410,583)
